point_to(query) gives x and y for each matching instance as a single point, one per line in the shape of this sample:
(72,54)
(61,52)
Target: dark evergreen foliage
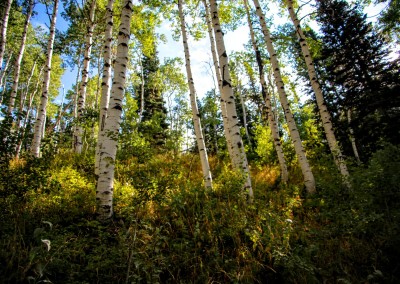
(356,74)
(153,125)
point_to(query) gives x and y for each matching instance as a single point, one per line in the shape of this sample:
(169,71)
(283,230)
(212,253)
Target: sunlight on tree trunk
(238,158)
(309,180)
(3,39)
(17,65)
(193,101)
(323,111)
(105,85)
(217,73)
(108,150)
(41,117)
(267,99)
(85,78)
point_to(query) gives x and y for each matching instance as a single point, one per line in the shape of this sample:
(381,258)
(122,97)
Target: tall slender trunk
(24,94)
(39,123)
(352,138)
(3,39)
(85,78)
(217,72)
(141,108)
(105,84)
(2,76)
(294,133)
(18,61)
(98,88)
(108,151)
(28,110)
(323,111)
(244,113)
(193,101)
(267,99)
(238,158)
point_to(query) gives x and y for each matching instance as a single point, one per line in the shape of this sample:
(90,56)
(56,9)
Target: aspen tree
(41,112)
(352,139)
(238,154)
(309,180)
(17,65)
(2,76)
(323,110)
(217,72)
(4,24)
(28,111)
(108,150)
(193,101)
(268,107)
(105,84)
(85,77)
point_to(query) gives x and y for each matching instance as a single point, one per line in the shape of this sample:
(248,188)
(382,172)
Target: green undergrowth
(168,229)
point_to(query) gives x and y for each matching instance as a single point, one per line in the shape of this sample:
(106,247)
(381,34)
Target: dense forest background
(286,170)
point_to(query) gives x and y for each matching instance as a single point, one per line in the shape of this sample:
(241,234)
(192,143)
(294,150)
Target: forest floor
(168,229)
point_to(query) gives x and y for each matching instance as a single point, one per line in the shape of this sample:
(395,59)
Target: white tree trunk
(105,85)
(352,139)
(3,39)
(217,73)
(17,66)
(2,76)
(108,151)
(309,180)
(323,111)
(193,101)
(39,123)
(244,113)
(238,158)
(85,78)
(28,110)
(267,99)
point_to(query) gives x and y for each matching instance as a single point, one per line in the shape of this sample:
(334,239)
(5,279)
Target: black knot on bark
(118,107)
(226,83)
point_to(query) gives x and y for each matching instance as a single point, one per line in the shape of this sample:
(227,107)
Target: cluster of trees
(134,102)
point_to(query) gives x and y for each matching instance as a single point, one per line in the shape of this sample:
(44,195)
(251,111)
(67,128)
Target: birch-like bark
(309,180)
(108,151)
(39,123)
(217,72)
(28,111)
(193,101)
(238,157)
(323,110)
(17,66)
(85,77)
(267,99)
(2,76)
(244,113)
(105,84)
(3,39)
(24,94)
(352,139)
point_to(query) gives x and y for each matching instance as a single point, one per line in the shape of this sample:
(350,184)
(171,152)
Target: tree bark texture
(108,151)
(267,99)
(323,110)
(217,72)
(17,65)
(238,157)
(3,39)
(309,180)
(193,101)
(84,80)
(105,84)
(40,120)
